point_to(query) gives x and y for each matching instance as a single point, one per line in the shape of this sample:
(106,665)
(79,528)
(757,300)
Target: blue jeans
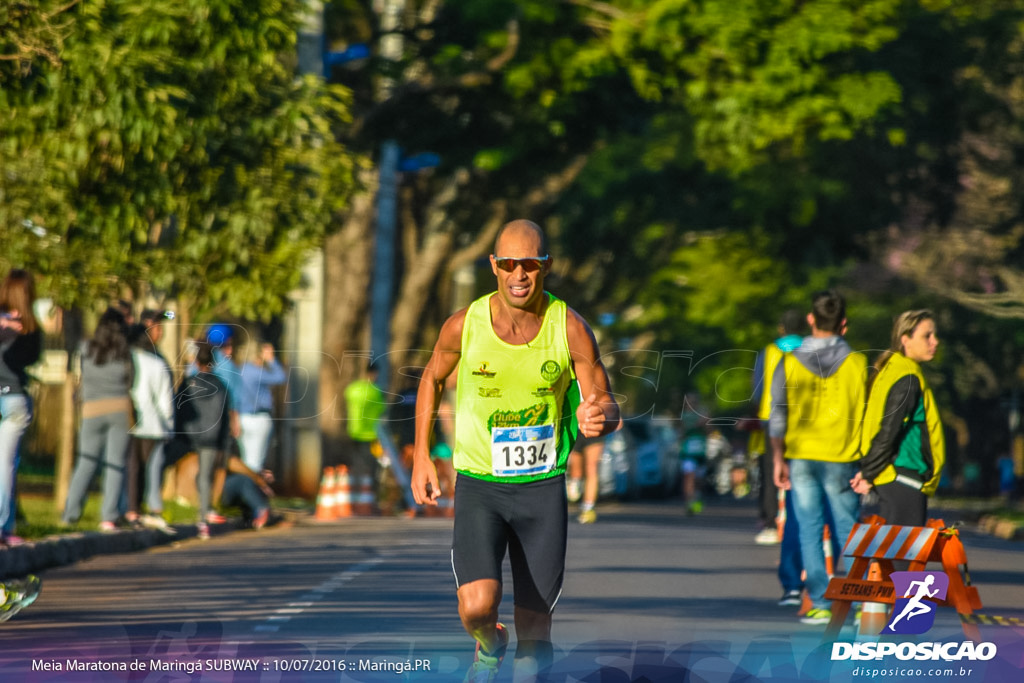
(240,491)
(15,417)
(817,486)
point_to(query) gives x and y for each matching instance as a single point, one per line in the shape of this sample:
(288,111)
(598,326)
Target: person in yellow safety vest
(364,402)
(529,378)
(791,329)
(903,445)
(818,393)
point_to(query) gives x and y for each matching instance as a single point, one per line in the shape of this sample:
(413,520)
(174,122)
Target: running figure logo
(912,613)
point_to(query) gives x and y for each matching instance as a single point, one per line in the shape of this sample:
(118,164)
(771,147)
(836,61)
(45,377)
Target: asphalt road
(650,594)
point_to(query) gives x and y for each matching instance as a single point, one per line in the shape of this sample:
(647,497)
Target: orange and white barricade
(874,540)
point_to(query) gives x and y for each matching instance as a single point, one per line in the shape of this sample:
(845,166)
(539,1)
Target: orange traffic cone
(325,497)
(826,545)
(874,615)
(343,493)
(364,499)
(826,542)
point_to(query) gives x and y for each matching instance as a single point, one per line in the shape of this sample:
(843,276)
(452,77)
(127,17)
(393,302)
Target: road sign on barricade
(874,540)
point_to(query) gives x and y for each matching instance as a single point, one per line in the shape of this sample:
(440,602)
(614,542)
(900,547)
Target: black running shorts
(530,520)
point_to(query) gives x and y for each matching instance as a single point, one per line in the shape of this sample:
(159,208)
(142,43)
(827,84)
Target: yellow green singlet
(515,403)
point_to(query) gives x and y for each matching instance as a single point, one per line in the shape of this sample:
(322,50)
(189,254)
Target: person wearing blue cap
(221,337)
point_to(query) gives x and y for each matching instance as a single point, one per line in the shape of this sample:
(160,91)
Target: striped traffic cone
(874,615)
(343,493)
(365,500)
(826,545)
(826,542)
(325,497)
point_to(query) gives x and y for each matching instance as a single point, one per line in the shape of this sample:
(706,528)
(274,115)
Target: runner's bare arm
(598,413)
(443,361)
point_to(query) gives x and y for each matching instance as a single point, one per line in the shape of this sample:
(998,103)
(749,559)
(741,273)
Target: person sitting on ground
(242,488)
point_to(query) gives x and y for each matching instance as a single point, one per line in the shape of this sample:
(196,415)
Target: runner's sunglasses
(530,265)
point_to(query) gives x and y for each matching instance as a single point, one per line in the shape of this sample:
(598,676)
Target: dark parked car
(640,459)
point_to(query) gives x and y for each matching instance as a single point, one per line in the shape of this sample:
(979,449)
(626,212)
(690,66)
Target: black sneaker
(791,599)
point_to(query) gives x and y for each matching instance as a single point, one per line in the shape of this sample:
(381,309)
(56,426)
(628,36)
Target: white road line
(309,599)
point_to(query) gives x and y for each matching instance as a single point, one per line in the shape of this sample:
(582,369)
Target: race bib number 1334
(517,451)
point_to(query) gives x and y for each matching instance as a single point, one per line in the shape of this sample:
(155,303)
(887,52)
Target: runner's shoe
(587,517)
(791,599)
(204,531)
(767,536)
(484,668)
(573,490)
(18,594)
(816,616)
(214,518)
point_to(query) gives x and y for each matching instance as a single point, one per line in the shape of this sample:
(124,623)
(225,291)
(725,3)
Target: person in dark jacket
(202,421)
(903,444)
(21,343)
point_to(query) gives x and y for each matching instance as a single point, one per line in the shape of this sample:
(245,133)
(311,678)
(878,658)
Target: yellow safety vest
(910,453)
(772,355)
(825,413)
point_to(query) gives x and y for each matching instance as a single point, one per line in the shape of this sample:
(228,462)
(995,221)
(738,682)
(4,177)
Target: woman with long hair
(902,441)
(103,439)
(21,344)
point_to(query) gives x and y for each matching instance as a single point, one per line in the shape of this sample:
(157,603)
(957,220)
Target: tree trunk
(348,265)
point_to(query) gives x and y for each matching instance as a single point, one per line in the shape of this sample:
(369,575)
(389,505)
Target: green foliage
(169,142)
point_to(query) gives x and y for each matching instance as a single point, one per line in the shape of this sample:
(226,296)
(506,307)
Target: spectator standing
(221,338)
(153,397)
(790,330)
(903,444)
(203,422)
(106,410)
(818,393)
(255,406)
(21,343)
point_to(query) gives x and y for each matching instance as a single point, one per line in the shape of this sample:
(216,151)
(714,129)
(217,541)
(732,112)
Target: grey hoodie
(821,355)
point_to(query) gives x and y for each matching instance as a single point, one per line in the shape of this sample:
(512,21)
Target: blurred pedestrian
(255,406)
(221,338)
(903,444)
(106,375)
(791,329)
(818,393)
(590,451)
(365,406)
(153,321)
(21,344)
(153,397)
(203,422)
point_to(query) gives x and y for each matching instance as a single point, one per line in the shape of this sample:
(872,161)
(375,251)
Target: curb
(1001,527)
(58,551)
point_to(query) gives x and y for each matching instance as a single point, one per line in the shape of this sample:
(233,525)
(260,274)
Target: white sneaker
(156,522)
(767,536)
